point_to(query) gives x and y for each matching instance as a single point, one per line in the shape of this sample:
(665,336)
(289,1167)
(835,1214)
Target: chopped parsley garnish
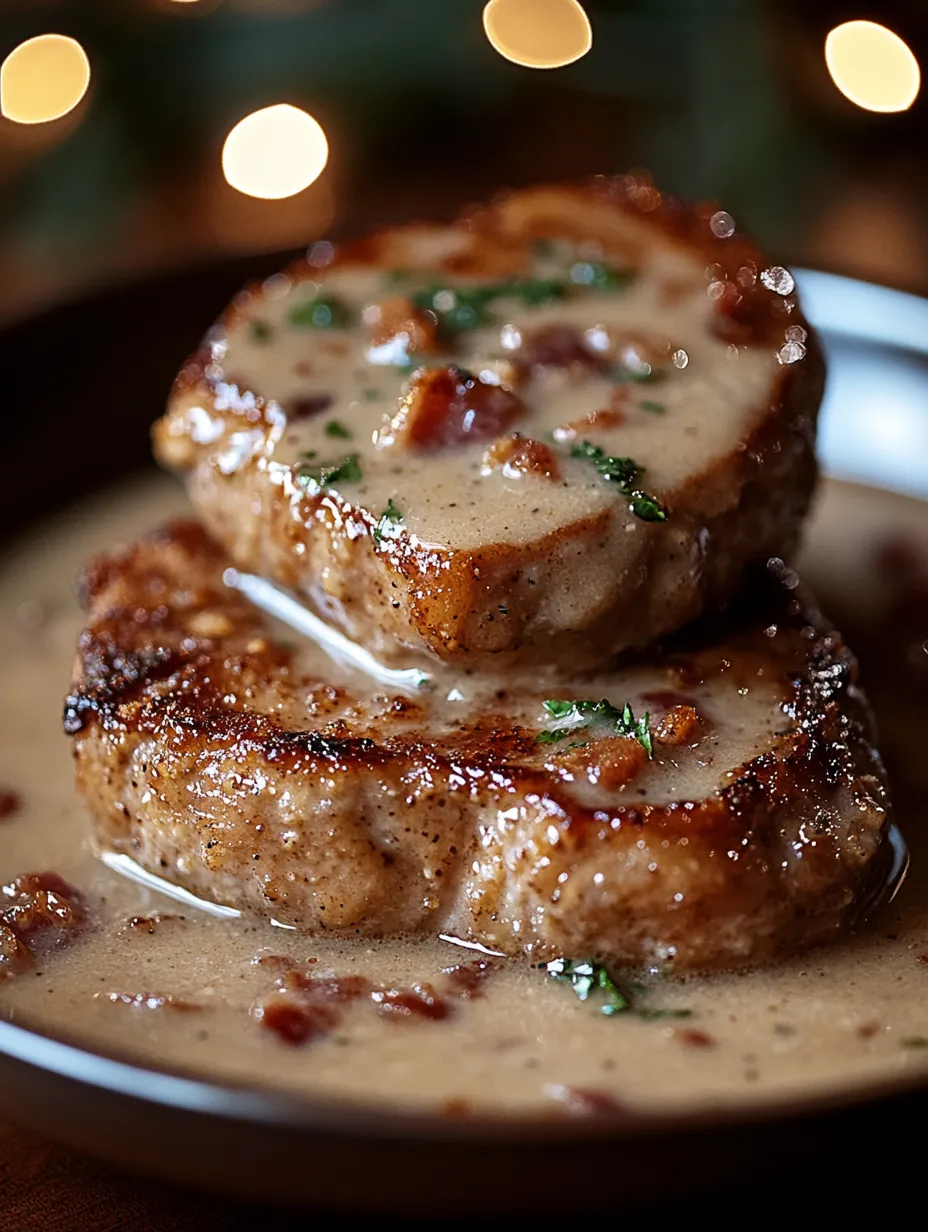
(573,714)
(346,471)
(915,1041)
(457,308)
(371,395)
(600,277)
(655,408)
(643,376)
(323,312)
(624,472)
(390,514)
(259,331)
(588,977)
(461,308)
(532,291)
(335,428)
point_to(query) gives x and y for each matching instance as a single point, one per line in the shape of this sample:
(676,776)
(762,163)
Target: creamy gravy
(712,393)
(833,1019)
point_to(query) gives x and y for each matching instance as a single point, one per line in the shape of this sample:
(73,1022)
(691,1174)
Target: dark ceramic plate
(343,1156)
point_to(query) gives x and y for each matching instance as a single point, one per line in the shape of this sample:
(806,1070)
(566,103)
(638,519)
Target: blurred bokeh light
(538,33)
(275,152)
(43,79)
(872,66)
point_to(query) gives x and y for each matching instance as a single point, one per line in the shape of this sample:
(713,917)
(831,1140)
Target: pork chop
(717,804)
(556,429)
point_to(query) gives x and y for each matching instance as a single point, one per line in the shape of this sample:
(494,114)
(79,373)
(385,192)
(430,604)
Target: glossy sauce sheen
(711,392)
(175,987)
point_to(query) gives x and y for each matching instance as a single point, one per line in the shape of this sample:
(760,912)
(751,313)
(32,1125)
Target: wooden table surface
(46,1188)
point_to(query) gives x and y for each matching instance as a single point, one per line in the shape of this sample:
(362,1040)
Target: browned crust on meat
(469,606)
(355,823)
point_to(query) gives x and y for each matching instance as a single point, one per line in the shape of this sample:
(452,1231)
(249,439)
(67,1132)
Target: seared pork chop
(714,805)
(554,430)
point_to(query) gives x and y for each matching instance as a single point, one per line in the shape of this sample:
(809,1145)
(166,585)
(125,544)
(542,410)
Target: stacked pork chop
(537,472)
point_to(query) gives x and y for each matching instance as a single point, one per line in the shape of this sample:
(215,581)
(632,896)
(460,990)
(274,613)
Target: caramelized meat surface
(717,805)
(390,374)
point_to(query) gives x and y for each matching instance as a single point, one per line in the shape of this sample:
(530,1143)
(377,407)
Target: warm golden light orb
(538,33)
(872,66)
(274,152)
(43,79)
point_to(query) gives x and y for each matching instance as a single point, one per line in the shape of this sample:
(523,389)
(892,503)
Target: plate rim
(119,1074)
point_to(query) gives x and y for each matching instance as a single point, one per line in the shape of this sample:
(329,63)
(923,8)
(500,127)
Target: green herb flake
(653,408)
(335,428)
(657,1015)
(346,471)
(259,331)
(558,709)
(533,291)
(624,472)
(641,376)
(551,737)
(647,508)
(457,308)
(371,395)
(588,978)
(574,714)
(322,312)
(915,1041)
(600,277)
(390,514)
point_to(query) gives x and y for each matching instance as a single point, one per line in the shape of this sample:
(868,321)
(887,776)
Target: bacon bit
(680,725)
(147,923)
(306,1007)
(608,417)
(294,1023)
(338,989)
(151,1001)
(465,980)
(585,1102)
(399,329)
(448,406)
(41,913)
(610,763)
(518,455)
(922,958)
(14,953)
(867,1030)
(693,1038)
(10,803)
(308,406)
(563,347)
(275,962)
(420,1001)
